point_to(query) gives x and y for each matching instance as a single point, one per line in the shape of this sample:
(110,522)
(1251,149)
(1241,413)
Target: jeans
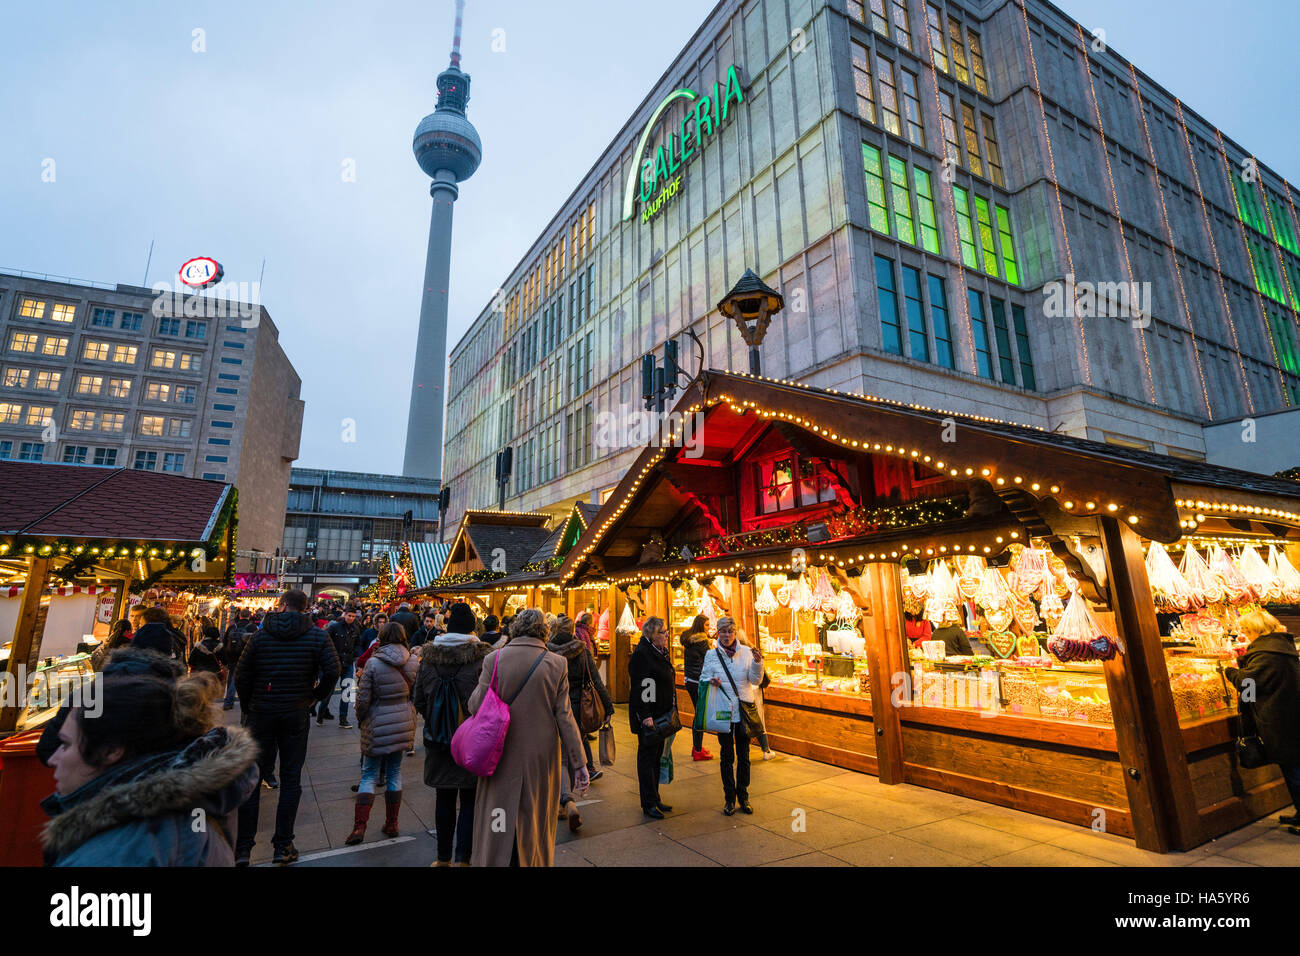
(449,823)
(648,754)
(230,687)
(346,673)
(285,734)
(697,736)
(392,769)
(735,753)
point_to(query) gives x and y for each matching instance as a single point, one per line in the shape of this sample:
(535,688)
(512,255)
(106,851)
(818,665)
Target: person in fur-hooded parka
(139,807)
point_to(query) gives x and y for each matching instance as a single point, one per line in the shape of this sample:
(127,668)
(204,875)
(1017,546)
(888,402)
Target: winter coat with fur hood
(460,664)
(384,701)
(142,813)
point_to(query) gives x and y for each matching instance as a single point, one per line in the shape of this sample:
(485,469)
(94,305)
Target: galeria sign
(658,179)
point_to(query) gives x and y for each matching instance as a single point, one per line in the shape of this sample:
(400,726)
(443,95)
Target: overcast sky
(238,152)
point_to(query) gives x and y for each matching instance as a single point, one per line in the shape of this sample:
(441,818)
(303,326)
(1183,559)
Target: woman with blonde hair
(1268,683)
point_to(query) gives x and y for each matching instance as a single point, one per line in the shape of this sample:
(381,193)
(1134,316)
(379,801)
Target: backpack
(444,712)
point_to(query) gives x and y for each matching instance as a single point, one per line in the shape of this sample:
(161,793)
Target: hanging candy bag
(1079,636)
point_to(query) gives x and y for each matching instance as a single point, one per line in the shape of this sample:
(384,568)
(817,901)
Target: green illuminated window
(918,338)
(1248,204)
(1022,348)
(1265,269)
(887,302)
(925,210)
(964,234)
(980,333)
(1284,337)
(942,329)
(1293,273)
(1282,226)
(875,188)
(1010,272)
(986,236)
(901,200)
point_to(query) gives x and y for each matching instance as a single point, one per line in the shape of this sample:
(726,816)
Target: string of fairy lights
(1056,185)
(954,239)
(1169,237)
(1214,251)
(1114,202)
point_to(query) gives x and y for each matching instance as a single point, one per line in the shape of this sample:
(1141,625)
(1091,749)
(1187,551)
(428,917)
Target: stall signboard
(256,582)
(104,607)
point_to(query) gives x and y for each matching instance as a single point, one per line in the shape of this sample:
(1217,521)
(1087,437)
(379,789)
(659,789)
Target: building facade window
(47,380)
(173,461)
(887,305)
(980,334)
(103,318)
(62,312)
(132,321)
(55,345)
(31,309)
(112,422)
(943,353)
(877,210)
(889,111)
(39,415)
(23,341)
(169,326)
(90,384)
(862,81)
(119,388)
(151,425)
(145,461)
(197,330)
(75,454)
(178,428)
(105,456)
(157,392)
(31,451)
(11,413)
(911,107)
(16,377)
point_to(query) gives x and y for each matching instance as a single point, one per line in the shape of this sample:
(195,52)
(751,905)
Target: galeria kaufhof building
(968,206)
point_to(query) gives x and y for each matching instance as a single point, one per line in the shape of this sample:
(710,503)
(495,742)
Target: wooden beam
(883,628)
(1147,735)
(24,645)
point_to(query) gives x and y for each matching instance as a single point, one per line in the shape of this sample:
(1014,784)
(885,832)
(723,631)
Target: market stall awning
(427,559)
(910,466)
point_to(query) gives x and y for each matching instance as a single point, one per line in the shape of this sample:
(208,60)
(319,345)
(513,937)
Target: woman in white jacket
(736,669)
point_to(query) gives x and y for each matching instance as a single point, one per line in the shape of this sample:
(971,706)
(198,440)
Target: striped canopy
(427,559)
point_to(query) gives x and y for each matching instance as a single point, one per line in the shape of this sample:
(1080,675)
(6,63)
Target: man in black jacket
(276,682)
(232,645)
(345,633)
(410,623)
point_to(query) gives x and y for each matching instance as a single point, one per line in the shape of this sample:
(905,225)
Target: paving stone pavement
(806,814)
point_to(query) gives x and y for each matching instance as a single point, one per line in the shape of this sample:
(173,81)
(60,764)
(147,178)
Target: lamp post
(751,304)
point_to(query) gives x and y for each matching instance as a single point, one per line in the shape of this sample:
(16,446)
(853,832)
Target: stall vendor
(953,635)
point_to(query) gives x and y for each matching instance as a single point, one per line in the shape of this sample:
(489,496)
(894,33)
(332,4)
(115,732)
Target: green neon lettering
(713,98)
(674,154)
(661,165)
(630,193)
(703,119)
(686,138)
(733,90)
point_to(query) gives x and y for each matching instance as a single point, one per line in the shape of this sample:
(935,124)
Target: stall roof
(40,500)
(1036,473)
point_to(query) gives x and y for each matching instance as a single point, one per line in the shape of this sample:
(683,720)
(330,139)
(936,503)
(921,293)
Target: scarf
(452,639)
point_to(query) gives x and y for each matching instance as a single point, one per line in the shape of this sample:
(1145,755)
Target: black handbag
(1250,749)
(748,710)
(664,726)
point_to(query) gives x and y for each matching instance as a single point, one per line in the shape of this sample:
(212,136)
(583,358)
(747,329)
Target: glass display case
(1199,686)
(53,685)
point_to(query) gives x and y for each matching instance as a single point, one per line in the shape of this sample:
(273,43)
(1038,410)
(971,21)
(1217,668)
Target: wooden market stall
(829,524)
(69,527)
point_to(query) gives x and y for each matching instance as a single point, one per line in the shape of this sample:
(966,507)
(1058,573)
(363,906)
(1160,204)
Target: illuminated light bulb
(1090,505)
(1132,519)
(938,464)
(1017,479)
(1035,486)
(954,472)
(926,458)
(985,472)
(970,471)
(1002,481)
(929,550)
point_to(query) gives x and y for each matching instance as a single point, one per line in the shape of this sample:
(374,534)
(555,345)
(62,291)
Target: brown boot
(392,803)
(575,818)
(360,817)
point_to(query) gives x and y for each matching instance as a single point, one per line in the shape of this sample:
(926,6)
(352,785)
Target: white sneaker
(769,754)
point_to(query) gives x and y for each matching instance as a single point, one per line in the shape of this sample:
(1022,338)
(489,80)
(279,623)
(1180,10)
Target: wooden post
(120,602)
(22,648)
(886,643)
(1150,744)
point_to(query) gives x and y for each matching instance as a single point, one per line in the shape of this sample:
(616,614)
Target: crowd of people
(132,776)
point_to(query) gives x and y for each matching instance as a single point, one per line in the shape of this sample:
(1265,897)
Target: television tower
(447,148)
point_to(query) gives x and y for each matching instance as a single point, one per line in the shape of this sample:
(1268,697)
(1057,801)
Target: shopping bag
(607,745)
(713,710)
(666,762)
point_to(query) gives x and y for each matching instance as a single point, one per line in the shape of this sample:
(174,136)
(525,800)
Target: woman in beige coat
(514,815)
(387,719)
